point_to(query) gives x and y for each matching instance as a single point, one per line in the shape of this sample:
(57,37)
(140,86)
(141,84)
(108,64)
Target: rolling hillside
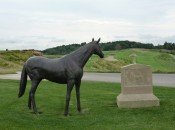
(12,61)
(159,61)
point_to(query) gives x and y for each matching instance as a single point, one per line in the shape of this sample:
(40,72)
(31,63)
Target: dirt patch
(110,58)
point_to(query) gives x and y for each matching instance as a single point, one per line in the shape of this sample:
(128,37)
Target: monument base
(137,100)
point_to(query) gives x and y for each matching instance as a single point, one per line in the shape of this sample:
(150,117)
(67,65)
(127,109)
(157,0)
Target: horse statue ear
(84,43)
(92,39)
(98,40)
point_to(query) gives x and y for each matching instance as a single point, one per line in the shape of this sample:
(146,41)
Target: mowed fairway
(99,109)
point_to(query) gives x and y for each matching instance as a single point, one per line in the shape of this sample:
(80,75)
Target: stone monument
(134,58)
(136,87)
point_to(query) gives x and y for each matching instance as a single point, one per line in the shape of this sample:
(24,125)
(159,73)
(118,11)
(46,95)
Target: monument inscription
(136,76)
(136,87)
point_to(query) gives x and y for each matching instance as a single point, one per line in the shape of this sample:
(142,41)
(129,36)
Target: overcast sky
(41,24)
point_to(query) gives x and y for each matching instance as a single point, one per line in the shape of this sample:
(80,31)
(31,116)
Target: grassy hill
(12,61)
(159,61)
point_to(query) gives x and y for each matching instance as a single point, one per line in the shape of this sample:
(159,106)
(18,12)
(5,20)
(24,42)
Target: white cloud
(46,23)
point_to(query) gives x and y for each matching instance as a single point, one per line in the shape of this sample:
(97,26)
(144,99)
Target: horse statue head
(97,49)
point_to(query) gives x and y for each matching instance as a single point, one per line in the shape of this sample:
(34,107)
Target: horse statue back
(67,70)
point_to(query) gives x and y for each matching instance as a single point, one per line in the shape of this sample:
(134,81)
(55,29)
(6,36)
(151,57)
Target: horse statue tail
(23,82)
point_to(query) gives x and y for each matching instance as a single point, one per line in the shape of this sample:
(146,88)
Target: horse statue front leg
(70,85)
(77,84)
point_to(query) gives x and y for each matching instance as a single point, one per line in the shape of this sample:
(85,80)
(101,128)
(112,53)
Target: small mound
(110,58)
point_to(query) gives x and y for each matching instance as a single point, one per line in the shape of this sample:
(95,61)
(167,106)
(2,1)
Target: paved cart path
(158,79)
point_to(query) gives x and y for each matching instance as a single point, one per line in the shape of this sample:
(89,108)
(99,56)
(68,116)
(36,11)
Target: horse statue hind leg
(31,101)
(35,83)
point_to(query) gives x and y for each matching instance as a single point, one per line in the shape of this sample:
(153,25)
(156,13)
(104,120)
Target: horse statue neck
(82,55)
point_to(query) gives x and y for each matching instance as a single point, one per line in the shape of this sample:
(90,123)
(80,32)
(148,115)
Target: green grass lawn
(99,109)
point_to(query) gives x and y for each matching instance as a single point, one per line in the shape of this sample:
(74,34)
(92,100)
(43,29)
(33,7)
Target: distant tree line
(169,46)
(116,45)
(61,50)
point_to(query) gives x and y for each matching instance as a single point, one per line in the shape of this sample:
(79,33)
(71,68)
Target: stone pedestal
(136,87)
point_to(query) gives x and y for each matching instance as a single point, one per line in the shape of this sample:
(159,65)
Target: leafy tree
(115,45)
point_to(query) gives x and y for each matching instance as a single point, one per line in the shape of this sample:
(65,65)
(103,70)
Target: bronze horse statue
(67,70)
